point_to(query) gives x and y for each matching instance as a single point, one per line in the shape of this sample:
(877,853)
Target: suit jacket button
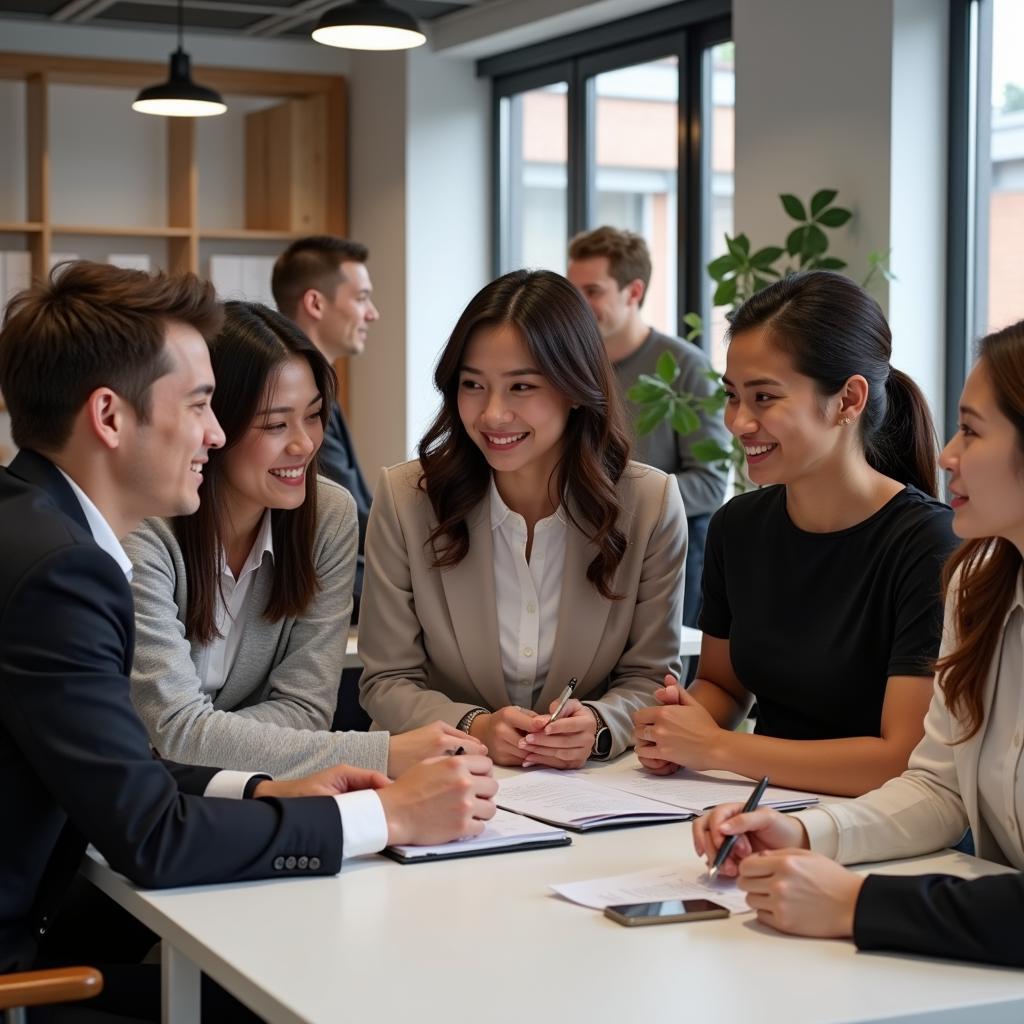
(278,863)
(42,931)
(314,863)
(290,863)
(303,863)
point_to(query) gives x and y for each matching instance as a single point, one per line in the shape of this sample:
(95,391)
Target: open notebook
(580,802)
(503,833)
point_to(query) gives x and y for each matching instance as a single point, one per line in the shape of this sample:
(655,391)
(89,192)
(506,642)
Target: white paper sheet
(666,883)
(503,830)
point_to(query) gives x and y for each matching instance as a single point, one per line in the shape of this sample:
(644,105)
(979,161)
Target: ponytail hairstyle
(988,566)
(252,346)
(832,329)
(559,330)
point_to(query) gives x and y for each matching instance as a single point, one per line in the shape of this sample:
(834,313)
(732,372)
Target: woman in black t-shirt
(821,588)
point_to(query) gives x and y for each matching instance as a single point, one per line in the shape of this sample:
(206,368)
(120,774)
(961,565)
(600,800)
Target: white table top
(482,938)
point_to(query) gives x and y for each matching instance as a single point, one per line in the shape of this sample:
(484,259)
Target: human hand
(802,893)
(668,694)
(678,734)
(439,800)
(434,740)
(755,831)
(500,731)
(671,692)
(341,778)
(565,743)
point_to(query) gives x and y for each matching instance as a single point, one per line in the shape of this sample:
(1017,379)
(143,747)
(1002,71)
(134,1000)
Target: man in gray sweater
(612,268)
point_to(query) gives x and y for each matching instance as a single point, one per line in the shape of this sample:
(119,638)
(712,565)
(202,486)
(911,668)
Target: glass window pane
(1006,197)
(635,158)
(719,110)
(534,153)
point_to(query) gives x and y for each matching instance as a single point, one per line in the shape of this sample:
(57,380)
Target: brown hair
(988,566)
(832,329)
(312,262)
(559,330)
(249,350)
(628,257)
(91,325)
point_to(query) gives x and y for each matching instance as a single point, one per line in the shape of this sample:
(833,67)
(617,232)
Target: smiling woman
(523,548)
(268,558)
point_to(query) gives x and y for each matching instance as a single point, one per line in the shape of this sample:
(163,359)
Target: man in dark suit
(322,285)
(107,379)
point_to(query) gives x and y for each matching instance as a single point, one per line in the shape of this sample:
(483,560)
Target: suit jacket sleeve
(939,915)
(287,732)
(68,709)
(654,636)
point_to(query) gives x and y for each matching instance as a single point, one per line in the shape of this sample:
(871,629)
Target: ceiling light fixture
(179,96)
(368,25)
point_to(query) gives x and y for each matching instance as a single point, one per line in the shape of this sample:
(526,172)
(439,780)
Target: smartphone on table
(665,912)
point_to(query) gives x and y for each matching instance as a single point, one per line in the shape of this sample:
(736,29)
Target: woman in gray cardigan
(242,609)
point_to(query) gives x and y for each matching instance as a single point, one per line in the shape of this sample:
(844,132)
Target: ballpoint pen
(563,700)
(726,848)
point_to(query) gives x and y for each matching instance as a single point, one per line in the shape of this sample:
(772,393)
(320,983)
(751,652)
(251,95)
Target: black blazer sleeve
(65,649)
(977,919)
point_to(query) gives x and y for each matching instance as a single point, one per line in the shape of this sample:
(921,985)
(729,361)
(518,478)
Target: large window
(986,185)
(630,125)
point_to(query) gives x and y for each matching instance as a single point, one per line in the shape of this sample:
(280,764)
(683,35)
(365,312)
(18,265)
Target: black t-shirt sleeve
(715,615)
(917,629)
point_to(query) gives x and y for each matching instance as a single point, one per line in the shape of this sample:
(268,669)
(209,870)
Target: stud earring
(845,421)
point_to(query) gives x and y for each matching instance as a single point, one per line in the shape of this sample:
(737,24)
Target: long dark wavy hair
(558,328)
(988,566)
(250,349)
(832,329)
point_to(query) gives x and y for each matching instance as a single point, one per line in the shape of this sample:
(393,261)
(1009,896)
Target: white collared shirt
(528,595)
(363,823)
(217,657)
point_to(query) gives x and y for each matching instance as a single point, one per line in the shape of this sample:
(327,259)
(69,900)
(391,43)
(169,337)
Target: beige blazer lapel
(469,590)
(582,614)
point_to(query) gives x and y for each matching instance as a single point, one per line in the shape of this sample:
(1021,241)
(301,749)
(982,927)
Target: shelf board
(248,235)
(107,231)
(22,226)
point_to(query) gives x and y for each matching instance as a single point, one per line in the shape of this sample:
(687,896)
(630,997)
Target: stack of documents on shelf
(504,832)
(582,802)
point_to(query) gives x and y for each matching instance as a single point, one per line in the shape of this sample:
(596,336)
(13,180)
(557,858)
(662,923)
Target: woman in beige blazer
(523,549)
(969,768)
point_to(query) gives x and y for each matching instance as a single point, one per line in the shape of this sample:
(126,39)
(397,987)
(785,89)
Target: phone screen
(667,908)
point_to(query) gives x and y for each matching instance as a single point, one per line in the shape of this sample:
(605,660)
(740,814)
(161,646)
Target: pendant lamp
(179,96)
(368,25)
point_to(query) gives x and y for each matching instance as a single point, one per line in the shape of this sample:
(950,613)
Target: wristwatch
(468,718)
(602,738)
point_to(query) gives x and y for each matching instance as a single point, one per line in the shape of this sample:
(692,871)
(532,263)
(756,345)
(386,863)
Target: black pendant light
(179,96)
(368,25)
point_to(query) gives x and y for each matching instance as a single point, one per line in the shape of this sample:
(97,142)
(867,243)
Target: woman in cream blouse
(969,768)
(523,548)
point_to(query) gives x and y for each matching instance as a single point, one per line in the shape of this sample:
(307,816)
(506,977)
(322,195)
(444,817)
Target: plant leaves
(739,247)
(795,241)
(666,368)
(835,218)
(761,282)
(709,450)
(830,263)
(696,324)
(821,200)
(652,416)
(721,266)
(815,242)
(764,258)
(645,391)
(793,206)
(725,293)
(684,419)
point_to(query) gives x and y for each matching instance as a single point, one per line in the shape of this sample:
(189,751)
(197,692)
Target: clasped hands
(680,731)
(519,736)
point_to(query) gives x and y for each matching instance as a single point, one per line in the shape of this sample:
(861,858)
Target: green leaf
(739,247)
(761,282)
(835,218)
(693,320)
(684,419)
(652,416)
(713,375)
(795,241)
(821,200)
(711,403)
(725,293)
(666,368)
(793,206)
(830,263)
(643,392)
(815,242)
(764,258)
(721,266)
(709,450)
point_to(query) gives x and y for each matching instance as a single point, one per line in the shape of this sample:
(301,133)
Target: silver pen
(564,699)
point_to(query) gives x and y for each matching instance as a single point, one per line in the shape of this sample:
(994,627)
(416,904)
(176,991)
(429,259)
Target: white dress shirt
(528,595)
(364,826)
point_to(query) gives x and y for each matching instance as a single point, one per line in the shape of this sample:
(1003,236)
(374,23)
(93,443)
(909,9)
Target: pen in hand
(726,848)
(563,700)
